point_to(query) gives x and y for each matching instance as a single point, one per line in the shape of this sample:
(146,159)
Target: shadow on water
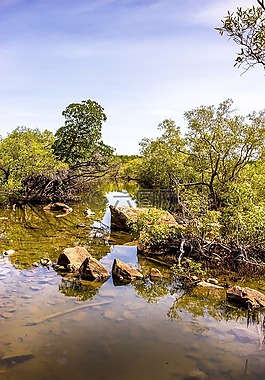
(53,328)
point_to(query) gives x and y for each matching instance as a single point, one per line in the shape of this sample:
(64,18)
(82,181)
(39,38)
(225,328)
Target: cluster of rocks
(45,262)
(78,262)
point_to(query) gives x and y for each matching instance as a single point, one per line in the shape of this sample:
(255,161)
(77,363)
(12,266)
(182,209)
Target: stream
(54,329)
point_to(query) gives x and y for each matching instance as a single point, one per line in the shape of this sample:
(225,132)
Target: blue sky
(142,60)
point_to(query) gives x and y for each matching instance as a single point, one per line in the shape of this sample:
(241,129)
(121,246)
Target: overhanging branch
(261,3)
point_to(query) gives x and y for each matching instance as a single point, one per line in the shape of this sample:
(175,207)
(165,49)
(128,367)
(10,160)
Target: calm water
(53,329)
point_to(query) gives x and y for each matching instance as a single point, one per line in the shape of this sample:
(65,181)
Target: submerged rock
(196,374)
(11,361)
(209,285)
(57,206)
(244,335)
(124,272)
(92,270)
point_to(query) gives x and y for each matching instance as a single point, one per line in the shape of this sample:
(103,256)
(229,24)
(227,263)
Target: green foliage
(152,228)
(253,177)
(220,144)
(216,170)
(162,161)
(23,153)
(79,141)
(160,235)
(189,268)
(217,147)
(131,168)
(246,27)
(148,219)
(124,158)
(243,221)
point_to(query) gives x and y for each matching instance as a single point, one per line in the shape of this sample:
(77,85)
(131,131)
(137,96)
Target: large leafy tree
(220,144)
(162,161)
(246,27)
(25,152)
(79,142)
(217,147)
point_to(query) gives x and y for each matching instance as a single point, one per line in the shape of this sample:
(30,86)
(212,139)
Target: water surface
(54,329)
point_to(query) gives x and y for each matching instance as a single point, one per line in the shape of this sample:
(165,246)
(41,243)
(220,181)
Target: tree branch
(261,3)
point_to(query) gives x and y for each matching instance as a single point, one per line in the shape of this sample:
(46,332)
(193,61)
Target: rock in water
(196,374)
(246,296)
(11,361)
(9,252)
(57,206)
(121,216)
(124,272)
(155,274)
(92,270)
(205,284)
(73,258)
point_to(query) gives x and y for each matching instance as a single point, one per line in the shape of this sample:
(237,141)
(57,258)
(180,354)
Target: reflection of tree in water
(97,242)
(74,288)
(34,233)
(200,301)
(257,317)
(152,291)
(131,187)
(96,200)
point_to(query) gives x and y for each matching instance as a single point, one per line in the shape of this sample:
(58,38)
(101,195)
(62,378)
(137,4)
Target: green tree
(25,152)
(79,142)
(162,161)
(246,27)
(243,218)
(220,144)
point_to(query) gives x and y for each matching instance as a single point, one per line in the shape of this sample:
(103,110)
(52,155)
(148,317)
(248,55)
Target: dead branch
(181,250)
(64,312)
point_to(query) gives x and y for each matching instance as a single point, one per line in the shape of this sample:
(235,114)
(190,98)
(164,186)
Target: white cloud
(215,10)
